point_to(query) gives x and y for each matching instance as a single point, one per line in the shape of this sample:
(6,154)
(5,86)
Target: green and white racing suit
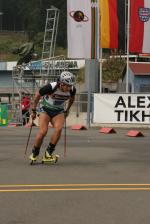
(54,99)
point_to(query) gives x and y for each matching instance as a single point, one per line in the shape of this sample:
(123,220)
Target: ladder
(49,42)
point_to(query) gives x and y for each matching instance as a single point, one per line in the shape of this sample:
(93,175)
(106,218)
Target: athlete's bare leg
(58,123)
(44,120)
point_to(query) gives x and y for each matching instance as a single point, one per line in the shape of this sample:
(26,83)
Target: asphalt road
(105,178)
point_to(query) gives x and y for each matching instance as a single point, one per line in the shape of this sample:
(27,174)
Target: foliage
(61,51)
(11,40)
(30,16)
(80,75)
(112,69)
(8,41)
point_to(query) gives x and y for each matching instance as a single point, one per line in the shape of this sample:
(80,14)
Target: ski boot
(35,153)
(49,158)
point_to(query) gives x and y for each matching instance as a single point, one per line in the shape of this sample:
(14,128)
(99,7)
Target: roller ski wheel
(50,160)
(32,159)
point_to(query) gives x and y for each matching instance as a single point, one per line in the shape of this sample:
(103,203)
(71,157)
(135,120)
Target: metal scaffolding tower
(27,78)
(49,42)
(25,81)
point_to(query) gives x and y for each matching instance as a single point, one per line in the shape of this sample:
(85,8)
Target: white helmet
(67,78)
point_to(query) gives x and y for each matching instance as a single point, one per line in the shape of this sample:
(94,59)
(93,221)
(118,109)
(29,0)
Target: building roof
(140,68)
(10,91)
(6,90)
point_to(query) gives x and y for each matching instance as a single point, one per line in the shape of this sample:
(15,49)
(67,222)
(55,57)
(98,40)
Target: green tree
(30,16)
(112,69)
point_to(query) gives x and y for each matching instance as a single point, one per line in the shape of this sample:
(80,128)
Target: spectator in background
(25,106)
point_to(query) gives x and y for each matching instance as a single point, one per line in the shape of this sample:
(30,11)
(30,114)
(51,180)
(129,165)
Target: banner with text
(122,108)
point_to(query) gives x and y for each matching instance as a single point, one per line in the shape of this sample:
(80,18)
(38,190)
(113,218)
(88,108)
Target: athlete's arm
(71,100)
(36,100)
(47,89)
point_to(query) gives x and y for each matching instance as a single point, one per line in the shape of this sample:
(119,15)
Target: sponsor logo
(144,14)
(78,16)
(70,64)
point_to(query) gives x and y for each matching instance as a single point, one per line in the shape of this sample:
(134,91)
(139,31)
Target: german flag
(112,24)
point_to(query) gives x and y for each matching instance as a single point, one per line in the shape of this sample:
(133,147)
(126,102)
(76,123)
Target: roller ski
(50,159)
(34,156)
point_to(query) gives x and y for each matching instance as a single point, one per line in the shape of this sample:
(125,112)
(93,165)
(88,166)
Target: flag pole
(99,48)
(100,72)
(128,37)
(91,65)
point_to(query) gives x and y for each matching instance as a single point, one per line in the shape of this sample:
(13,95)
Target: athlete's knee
(43,133)
(58,129)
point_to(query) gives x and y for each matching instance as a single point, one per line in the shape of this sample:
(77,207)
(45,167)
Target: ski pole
(65,143)
(28,138)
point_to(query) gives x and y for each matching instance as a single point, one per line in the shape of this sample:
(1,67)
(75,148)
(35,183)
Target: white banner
(79,28)
(122,108)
